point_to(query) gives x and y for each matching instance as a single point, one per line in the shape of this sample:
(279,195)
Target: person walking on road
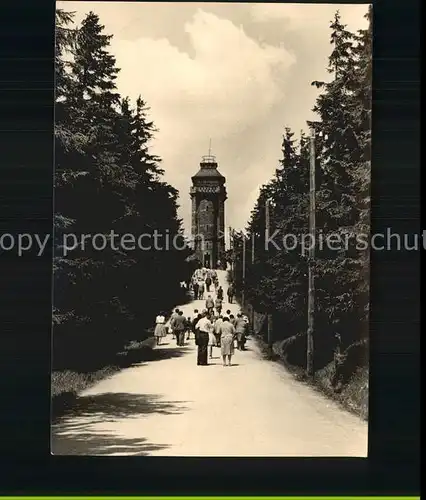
(219,293)
(160,330)
(212,343)
(209,304)
(216,327)
(203,327)
(188,327)
(194,316)
(195,289)
(208,283)
(230,293)
(201,291)
(172,322)
(180,328)
(216,282)
(233,322)
(195,320)
(227,336)
(218,305)
(240,329)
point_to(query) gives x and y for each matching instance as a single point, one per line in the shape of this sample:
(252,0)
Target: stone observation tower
(208,194)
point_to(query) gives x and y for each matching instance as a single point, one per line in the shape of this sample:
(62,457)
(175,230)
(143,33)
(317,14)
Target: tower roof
(208,169)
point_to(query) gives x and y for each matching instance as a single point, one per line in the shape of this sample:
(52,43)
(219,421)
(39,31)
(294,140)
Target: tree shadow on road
(109,407)
(138,357)
(93,444)
(74,432)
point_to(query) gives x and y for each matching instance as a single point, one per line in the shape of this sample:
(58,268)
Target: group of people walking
(178,326)
(210,327)
(221,331)
(206,280)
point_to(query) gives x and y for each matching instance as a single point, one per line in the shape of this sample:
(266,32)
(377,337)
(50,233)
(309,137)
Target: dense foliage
(107,182)
(277,282)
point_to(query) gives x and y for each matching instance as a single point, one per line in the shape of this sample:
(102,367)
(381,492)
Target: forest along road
(172,407)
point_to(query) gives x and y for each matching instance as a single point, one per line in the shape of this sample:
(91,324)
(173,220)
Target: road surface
(172,407)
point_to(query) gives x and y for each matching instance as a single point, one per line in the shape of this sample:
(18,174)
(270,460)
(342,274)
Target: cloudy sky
(233,73)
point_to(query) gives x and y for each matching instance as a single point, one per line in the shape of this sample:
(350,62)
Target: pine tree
(339,207)
(67,144)
(279,279)
(107,180)
(362,112)
(291,208)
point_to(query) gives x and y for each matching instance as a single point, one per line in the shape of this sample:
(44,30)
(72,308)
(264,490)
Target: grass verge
(66,385)
(352,394)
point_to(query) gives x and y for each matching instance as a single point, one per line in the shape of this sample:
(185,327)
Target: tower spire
(210,147)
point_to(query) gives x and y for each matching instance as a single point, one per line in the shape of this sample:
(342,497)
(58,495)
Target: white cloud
(231,78)
(229,85)
(205,76)
(309,16)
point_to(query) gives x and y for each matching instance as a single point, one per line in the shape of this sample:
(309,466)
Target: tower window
(206,206)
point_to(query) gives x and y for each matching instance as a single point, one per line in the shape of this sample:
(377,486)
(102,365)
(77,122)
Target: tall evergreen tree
(342,209)
(107,180)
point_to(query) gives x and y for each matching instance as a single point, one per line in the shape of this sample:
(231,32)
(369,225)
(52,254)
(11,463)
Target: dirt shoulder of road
(352,397)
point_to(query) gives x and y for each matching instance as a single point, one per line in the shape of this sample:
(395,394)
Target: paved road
(172,407)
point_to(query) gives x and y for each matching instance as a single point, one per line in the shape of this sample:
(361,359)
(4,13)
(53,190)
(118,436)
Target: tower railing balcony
(208,160)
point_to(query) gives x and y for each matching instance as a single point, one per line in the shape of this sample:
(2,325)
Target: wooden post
(270,327)
(244,272)
(252,319)
(267,221)
(253,235)
(231,250)
(252,248)
(267,232)
(311,281)
(234,259)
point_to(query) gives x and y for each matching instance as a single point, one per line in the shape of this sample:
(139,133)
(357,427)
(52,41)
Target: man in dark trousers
(172,321)
(230,293)
(180,328)
(203,326)
(208,283)
(195,320)
(195,288)
(188,328)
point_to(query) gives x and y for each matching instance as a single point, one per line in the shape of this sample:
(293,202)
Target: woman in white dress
(160,328)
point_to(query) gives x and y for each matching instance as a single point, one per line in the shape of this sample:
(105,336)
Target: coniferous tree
(290,265)
(337,209)
(342,211)
(107,183)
